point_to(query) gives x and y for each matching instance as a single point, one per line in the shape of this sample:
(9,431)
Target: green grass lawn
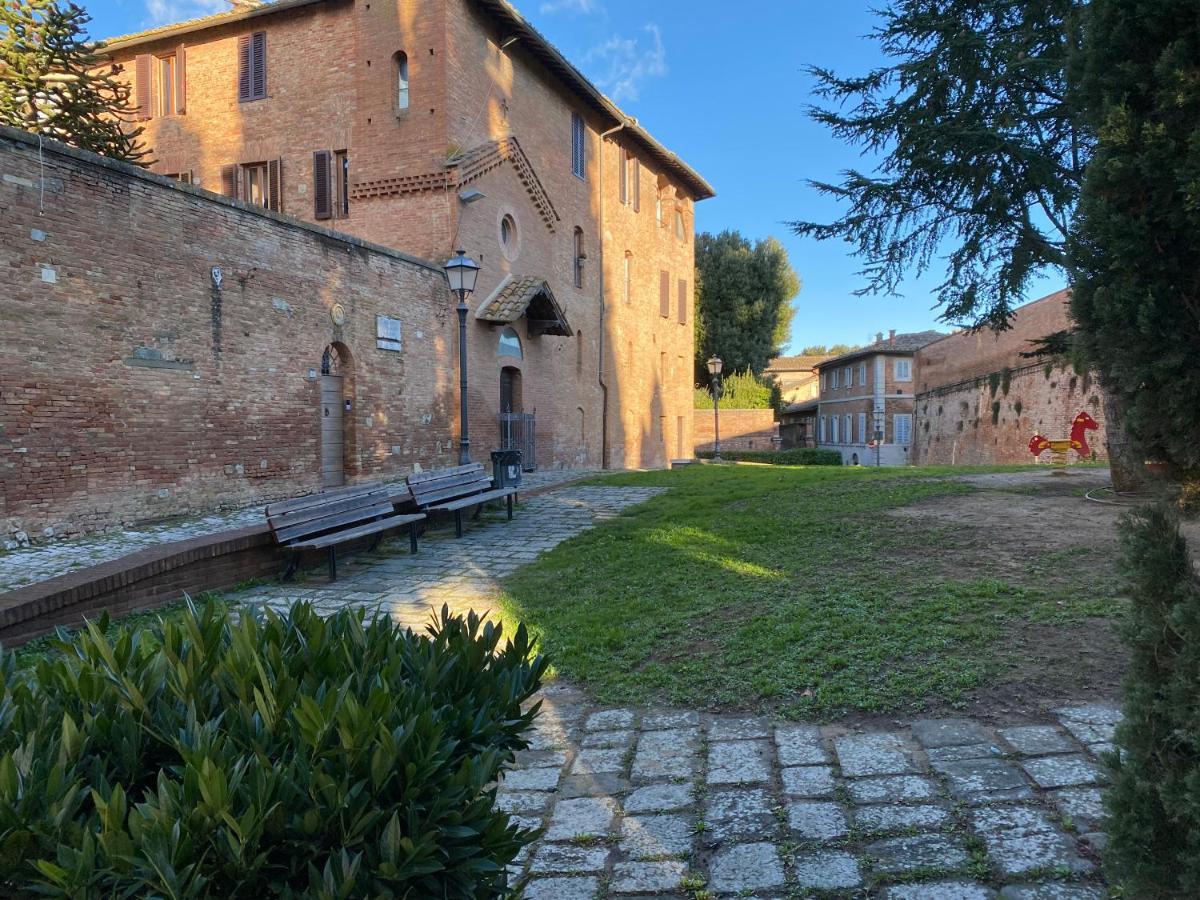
(792,589)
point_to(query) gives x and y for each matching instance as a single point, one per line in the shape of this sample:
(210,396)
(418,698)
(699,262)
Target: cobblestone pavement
(639,801)
(23,565)
(463,574)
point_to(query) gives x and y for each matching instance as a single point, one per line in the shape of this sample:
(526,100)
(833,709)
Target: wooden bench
(322,521)
(453,490)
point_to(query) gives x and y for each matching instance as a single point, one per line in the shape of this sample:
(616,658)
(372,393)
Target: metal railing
(518,431)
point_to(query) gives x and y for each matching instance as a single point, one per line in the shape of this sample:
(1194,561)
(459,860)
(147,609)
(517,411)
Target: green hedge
(799,456)
(267,756)
(740,390)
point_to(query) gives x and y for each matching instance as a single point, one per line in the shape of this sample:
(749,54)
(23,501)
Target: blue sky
(723,86)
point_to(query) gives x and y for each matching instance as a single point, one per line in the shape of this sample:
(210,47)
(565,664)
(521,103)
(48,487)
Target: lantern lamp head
(461,272)
(714,365)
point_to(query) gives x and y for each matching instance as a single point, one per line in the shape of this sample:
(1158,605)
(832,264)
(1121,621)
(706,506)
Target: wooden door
(333,466)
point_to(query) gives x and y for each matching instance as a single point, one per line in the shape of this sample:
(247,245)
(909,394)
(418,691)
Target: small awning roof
(530,297)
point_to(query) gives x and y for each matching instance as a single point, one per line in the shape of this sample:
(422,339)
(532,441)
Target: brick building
(796,377)
(867,392)
(979,401)
(431,125)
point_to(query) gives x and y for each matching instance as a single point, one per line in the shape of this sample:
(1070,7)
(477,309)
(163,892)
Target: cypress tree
(55,83)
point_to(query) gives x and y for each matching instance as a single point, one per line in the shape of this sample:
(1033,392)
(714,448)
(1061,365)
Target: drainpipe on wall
(604,459)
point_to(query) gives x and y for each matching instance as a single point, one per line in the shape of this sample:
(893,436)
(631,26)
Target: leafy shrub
(798,456)
(741,390)
(272,756)
(1154,802)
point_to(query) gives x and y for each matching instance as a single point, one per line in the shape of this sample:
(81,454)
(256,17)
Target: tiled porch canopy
(530,297)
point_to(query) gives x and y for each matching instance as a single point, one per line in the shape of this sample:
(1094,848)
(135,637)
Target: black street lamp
(461,272)
(714,370)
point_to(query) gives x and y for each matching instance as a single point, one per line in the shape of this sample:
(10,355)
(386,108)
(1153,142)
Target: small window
(636,186)
(255,184)
(680,232)
(341,186)
(834,436)
(901,428)
(579,256)
(401,73)
(166,85)
(683,301)
(508,233)
(577,145)
(821,430)
(252,67)
(849,376)
(837,377)
(628,277)
(862,373)
(862,428)
(510,344)
(903,370)
(847,438)
(578,352)
(623,177)
(658,210)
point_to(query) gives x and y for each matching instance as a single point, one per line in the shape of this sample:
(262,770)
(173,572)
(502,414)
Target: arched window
(401,73)
(510,344)
(578,352)
(628,276)
(580,256)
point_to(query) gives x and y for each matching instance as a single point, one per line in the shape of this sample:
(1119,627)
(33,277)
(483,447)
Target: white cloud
(621,64)
(575,6)
(165,12)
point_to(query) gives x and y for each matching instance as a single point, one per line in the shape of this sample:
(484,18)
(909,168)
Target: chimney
(892,336)
(879,337)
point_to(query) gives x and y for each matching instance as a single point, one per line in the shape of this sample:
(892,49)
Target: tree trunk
(1127,466)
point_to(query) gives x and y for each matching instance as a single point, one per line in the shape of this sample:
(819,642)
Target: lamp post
(461,272)
(714,371)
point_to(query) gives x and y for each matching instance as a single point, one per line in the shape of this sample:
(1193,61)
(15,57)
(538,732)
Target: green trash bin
(506,468)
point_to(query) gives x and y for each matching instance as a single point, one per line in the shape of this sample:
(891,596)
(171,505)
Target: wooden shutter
(683,303)
(322,199)
(275,185)
(230,175)
(258,54)
(143,77)
(637,185)
(664,294)
(244,68)
(180,80)
(623,180)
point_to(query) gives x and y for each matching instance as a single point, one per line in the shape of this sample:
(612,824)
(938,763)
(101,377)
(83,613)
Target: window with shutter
(252,66)
(637,186)
(258,53)
(143,69)
(664,295)
(275,185)
(180,80)
(683,301)
(229,181)
(577,145)
(166,94)
(322,199)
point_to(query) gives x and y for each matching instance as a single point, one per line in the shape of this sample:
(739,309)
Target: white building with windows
(867,400)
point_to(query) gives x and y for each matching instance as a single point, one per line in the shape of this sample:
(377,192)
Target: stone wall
(137,387)
(741,429)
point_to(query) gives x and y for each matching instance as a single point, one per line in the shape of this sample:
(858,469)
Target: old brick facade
(741,429)
(481,142)
(979,401)
(135,386)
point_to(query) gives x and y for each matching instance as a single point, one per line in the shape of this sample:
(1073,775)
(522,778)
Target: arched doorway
(335,368)
(510,389)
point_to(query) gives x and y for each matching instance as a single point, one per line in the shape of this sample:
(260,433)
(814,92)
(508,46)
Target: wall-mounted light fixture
(470,195)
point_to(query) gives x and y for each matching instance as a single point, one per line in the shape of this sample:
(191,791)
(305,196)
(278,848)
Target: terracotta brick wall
(980,402)
(134,388)
(741,429)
